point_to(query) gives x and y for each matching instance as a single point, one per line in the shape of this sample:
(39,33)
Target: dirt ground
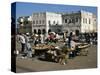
(79,62)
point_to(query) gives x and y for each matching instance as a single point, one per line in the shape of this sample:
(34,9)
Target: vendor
(73,45)
(28,45)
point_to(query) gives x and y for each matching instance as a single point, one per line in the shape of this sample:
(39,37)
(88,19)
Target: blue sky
(26,9)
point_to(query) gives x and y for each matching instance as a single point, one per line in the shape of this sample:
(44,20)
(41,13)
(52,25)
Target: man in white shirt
(22,41)
(73,44)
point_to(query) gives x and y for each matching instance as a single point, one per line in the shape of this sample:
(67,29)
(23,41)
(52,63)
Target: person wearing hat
(28,45)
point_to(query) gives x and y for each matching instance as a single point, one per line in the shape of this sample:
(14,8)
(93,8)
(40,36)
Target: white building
(43,21)
(82,21)
(87,22)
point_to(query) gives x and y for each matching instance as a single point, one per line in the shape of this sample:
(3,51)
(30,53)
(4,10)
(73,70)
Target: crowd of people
(71,41)
(24,40)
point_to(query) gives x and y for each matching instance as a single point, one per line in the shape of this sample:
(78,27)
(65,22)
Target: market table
(42,48)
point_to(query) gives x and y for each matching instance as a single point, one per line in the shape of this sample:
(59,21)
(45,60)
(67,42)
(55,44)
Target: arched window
(36,21)
(49,30)
(89,21)
(49,22)
(73,20)
(33,22)
(65,20)
(77,32)
(39,31)
(54,22)
(43,31)
(76,19)
(39,21)
(35,31)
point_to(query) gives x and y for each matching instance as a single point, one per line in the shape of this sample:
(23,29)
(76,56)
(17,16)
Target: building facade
(45,21)
(82,21)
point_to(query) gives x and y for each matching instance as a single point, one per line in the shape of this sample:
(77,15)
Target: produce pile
(40,47)
(83,45)
(60,54)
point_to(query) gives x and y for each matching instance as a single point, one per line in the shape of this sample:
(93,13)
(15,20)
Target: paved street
(79,62)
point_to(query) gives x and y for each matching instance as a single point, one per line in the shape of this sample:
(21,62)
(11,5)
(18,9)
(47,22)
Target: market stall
(57,54)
